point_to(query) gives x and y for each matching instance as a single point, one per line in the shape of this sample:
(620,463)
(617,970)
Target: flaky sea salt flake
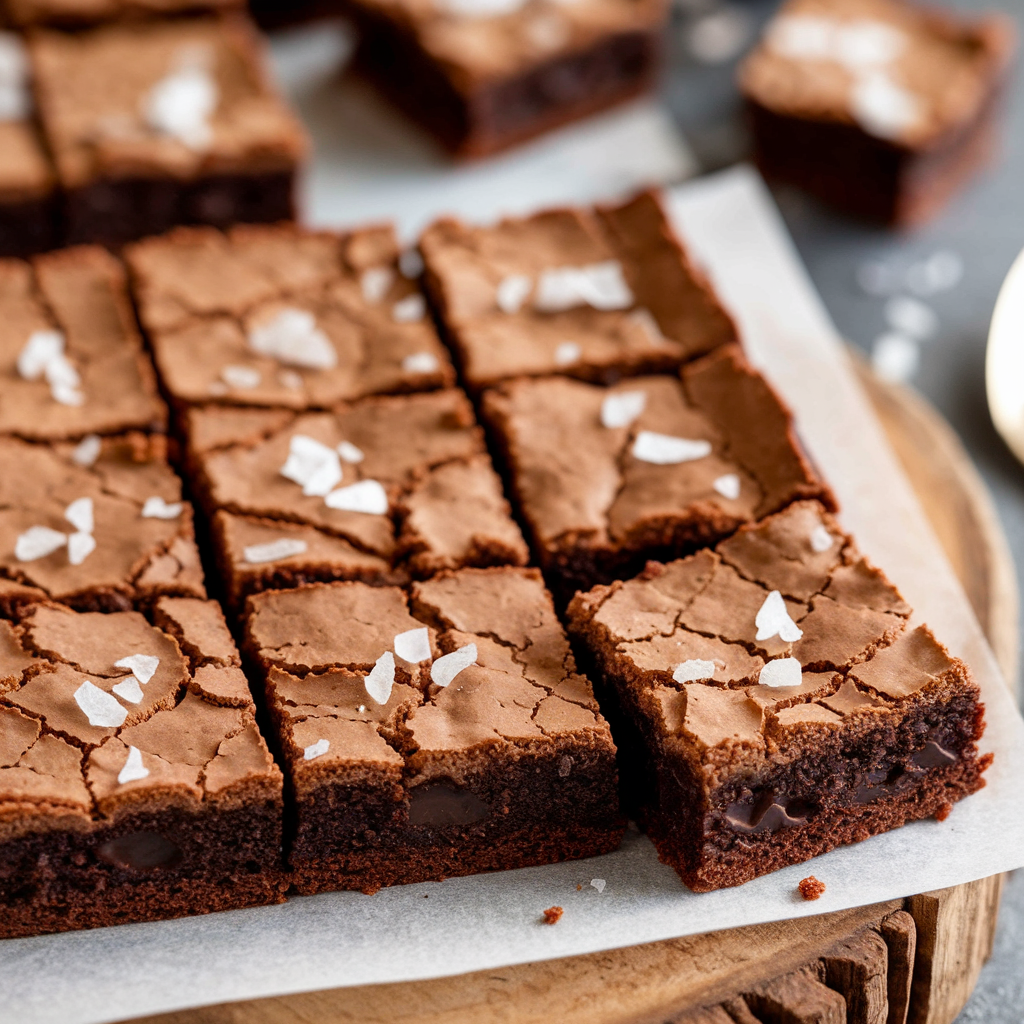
(87,451)
(599,285)
(413,645)
(129,690)
(315,750)
(349,452)
(773,619)
(241,378)
(693,671)
(80,546)
(292,337)
(381,678)
(512,292)
(621,408)
(409,310)
(781,672)
(38,542)
(598,884)
(883,108)
(142,666)
(421,362)
(156,507)
(728,486)
(567,353)
(40,350)
(133,769)
(448,666)
(367,496)
(102,710)
(273,550)
(181,104)
(80,514)
(375,283)
(663,450)
(314,466)
(821,539)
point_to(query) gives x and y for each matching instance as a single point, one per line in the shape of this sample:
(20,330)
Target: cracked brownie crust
(772,700)
(439,732)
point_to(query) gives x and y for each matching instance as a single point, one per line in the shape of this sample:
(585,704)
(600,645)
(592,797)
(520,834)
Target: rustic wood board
(911,961)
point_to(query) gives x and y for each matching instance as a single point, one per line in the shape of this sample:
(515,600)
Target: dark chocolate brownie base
(28,226)
(114,212)
(272,14)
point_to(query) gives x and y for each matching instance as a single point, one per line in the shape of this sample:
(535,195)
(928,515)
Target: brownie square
(881,108)
(75,14)
(99,526)
(279,316)
(436,733)
(163,123)
(773,700)
(379,490)
(607,478)
(134,783)
(597,294)
(71,359)
(480,79)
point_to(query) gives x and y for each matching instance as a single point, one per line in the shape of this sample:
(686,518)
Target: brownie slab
(434,733)
(774,700)
(163,123)
(596,294)
(881,108)
(607,478)
(134,783)
(71,359)
(279,316)
(379,490)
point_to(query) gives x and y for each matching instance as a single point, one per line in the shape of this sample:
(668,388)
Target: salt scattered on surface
(156,507)
(413,645)
(693,671)
(315,750)
(663,450)
(621,408)
(273,551)
(367,496)
(102,710)
(448,666)
(781,672)
(728,486)
(381,678)
(142,666)
(773,619)
(133,769)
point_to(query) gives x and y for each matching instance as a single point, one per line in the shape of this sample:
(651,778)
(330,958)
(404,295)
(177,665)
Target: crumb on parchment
(552,915)
(810,888)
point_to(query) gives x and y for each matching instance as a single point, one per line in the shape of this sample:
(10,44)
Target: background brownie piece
(881,108)
(99,526)
(444,734)
(376,491)
(71,359)
(131,791)
(606,478)
(278,316)
(481,82)
(597,294)
(77,13)
(165,123)
(772,701)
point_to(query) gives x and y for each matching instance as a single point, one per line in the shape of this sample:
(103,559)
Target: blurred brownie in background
(482,75)
(28,206)
(881,108)
(162,123)
(81,13)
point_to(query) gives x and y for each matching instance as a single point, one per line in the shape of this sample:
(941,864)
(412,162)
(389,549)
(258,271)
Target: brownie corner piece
(134,782)
(441,732)
(881,108)
(773,701)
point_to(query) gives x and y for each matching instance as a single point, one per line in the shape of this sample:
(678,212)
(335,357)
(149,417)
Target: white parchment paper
(488,921)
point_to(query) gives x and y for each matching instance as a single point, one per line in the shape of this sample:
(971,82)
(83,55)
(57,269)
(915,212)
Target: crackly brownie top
(100,714)
(278,316)
(586,293)
(71,360)
(87,12)
(25,171)
(488,39)
(100,524)
(472,660)
(606,463)
(899,71)
(173,98)
(395,477)
(783,629)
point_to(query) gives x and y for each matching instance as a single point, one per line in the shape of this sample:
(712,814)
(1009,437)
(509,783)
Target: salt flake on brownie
(381,678)
(621,408)
(413,645)
(664,450)
(102,710)
(313,465)
(773,620)
(274,550)
(448,666)
(133,769)
(367,496)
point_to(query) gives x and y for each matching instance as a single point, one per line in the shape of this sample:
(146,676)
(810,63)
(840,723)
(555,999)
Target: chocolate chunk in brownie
(162,123)
(607,478)
(73,14)
(882,108)
(481,78)
(773,700)
(441,732)
(379,490)
(71,359)
(134,783)
(279,316)
(597,294)
(99,525)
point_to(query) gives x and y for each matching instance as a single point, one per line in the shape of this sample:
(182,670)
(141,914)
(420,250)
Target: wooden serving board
(912,961)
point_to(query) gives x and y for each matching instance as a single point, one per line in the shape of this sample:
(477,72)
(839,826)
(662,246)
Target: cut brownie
(79,13)
(99,525)
(71,359)
(482,77)
(879,107)
(607,478)
(772,701)
(27,198)
(444,733)
(278,316)
(164,123)
(134,784)
(376,491)
(597,294)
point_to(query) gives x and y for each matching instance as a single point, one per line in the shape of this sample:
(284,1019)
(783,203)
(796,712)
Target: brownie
(380,490)
(654,467)
(879,107)
(482,77)
(99,525)
(772,700)
(280,316)
(439,732)
(28,207)
(74,14)
(134,784)
(71,359)
(163,123)
(597,294)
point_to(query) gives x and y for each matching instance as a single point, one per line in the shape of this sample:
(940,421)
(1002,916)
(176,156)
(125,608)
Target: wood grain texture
(858,968)
(900,935)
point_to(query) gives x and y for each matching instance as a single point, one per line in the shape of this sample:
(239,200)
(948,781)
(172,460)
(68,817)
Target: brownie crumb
(943,812)
(552,915)
(810,888)
(579,888)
